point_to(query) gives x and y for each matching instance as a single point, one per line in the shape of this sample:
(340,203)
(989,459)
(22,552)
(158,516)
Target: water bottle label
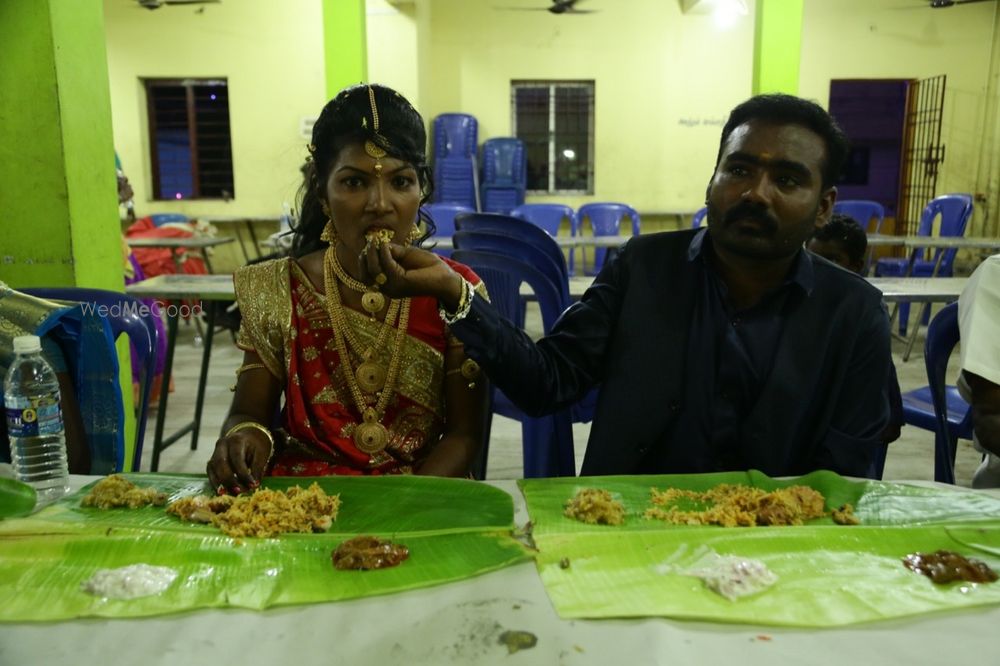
(33,416)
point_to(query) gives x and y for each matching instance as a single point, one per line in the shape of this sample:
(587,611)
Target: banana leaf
(454,529)
(828,575)
(16,498)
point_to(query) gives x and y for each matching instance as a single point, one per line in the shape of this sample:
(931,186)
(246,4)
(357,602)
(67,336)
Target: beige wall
(858,39)
(664,82)
(392,47)
(272,56)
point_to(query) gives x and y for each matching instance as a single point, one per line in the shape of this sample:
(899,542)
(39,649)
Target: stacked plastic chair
(549,217)
(698,217)
(547,440)
(505,175)
(955,211)
(455,138)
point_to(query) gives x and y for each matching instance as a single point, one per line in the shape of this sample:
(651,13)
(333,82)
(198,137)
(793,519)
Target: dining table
(179,245)
(470,621)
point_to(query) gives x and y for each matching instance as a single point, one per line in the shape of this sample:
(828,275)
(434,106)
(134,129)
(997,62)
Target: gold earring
(414,235)
(329,233)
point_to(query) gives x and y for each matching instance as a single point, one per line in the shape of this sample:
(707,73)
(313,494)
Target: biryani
(732,505)
(596,507)
(115,492)
(378,237)
(265,513)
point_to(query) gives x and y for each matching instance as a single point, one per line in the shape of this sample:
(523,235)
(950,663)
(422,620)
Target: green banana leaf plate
(16,498)
(827,574)
(454,529)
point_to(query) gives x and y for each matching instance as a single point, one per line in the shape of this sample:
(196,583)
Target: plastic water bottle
(34,421)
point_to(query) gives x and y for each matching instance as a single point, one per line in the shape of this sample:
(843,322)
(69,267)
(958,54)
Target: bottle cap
(26,344)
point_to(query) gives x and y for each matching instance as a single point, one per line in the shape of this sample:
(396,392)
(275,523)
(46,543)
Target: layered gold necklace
(372,300)
(370,436)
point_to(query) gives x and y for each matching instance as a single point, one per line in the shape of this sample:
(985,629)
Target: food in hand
(115,491)
(265,513)
(378,237)
(596,507)
(945,566)
(368,552)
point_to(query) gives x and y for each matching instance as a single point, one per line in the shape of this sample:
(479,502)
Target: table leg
(253,238)
(913,333)
(205,355)
(161,413)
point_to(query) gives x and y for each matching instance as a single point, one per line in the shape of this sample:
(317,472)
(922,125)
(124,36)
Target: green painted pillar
(59,224)
(345,44)
(777,46)
(58,194)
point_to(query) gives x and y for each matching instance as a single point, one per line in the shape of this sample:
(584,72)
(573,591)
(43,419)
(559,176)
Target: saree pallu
(286,322)
(88,349)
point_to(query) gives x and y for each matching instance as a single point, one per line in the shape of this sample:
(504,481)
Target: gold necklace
(370,436)
(371,300)
(370,375)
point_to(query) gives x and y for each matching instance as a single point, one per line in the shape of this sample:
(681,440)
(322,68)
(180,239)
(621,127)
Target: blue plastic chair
(513,247)
(698,217)
(548,440)
(605,220)
(134,319)
(455,135)
(939,407)
(505,174)
(863,212)
(443,216)
(955,211)
(493,223)
(549,217)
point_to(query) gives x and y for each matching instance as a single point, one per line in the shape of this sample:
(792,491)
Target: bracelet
(464,305)
(249,366)
(256,426)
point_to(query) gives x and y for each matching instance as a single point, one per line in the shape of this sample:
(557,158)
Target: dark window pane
(532,114)
(572,137)
(189,132)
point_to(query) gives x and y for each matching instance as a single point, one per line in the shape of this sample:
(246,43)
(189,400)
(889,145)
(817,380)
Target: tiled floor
(910,457)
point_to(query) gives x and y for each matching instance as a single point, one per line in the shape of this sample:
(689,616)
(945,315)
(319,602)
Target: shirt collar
(801,273)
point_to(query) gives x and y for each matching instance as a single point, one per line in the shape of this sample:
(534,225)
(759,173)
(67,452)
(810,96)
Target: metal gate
(923,151)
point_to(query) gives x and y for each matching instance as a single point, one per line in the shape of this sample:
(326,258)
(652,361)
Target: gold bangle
(256,426)
(249,366)
(464,305)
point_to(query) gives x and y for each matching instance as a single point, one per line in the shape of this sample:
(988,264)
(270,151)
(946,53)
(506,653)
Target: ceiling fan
(940,4)
(558,7)
(156,4)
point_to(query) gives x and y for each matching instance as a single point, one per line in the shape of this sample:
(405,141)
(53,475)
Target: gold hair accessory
(311,147)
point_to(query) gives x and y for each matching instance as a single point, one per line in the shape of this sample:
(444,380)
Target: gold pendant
(372,301)
(371,377)
(371,436)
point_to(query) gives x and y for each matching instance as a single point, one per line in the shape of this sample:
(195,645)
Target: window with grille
(555,119)
(189,139)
